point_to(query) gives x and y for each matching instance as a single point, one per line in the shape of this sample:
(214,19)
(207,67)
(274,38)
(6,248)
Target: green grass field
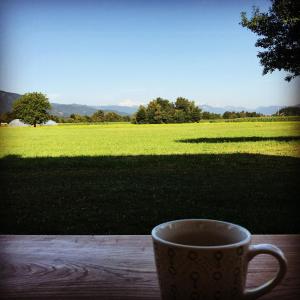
(129,139)
(125,178)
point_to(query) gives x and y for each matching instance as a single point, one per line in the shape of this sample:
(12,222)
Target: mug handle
(254,250)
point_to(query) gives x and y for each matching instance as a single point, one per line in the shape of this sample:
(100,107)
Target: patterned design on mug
(201,269)
(202,261)
(217,295)
(218,257)
(171,254)
(194,276)
(195,296)
(192,255)
(234,292)
(217,275)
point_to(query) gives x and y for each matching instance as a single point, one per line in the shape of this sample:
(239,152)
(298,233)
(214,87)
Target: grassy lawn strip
(276,138)
(130,194)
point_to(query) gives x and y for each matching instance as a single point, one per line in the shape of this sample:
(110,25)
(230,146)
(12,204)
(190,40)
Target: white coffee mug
(208,259)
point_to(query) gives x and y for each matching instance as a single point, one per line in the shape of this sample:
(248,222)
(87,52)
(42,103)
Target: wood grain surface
(112,267)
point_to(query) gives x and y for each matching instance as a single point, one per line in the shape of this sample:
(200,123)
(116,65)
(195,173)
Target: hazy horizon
(129,52)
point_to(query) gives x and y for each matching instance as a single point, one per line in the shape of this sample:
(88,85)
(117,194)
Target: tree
(241,114)
(126,118)
(154,115)
(162,110)
(112,117)
(210,116)
(77,118)
(55,118)
(183,104)
(167,110)
(32,108)
(279,29)
(189,112)
(230,115)
(87,119)
(180,116)
(195,114)
(98,116)
(141,115)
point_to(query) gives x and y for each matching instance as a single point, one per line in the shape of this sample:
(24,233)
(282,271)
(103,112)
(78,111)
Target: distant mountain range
(266,110)
(64,110)
(7,100)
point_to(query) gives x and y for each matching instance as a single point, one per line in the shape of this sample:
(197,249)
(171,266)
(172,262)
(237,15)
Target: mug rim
(245,241)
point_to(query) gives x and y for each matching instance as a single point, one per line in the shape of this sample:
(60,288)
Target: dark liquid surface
(202,239)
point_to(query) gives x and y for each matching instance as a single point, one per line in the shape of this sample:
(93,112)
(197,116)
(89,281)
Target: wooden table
(112,267)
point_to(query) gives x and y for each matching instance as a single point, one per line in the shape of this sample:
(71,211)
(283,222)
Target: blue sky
(129,52)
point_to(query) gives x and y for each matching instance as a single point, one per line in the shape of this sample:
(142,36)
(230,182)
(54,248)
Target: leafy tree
(279,29)
(167,110)
(180,116)
(32,108)
(210,116)
(189,111)
(253,114)
(154,114)
(126,118)
(182,104)
(195,114)
(229,115)
(98,116)
(77,118)
(112,117)
(55,118)
(87,118)
(141,115)
(162,110)
(165,104)
(241,114)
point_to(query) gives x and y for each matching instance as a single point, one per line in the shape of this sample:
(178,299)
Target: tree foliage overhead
(32,108)
(279,31)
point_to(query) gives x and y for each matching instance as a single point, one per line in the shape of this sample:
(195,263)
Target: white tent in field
(17,123)
(50,123)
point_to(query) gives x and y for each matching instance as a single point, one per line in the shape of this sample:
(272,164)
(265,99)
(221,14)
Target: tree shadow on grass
(131,194)
(241,139)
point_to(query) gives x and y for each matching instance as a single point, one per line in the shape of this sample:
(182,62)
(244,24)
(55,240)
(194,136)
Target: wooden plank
(112,267)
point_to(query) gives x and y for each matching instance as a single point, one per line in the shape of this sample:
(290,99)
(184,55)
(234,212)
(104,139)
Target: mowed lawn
(151,139)
(125,178)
